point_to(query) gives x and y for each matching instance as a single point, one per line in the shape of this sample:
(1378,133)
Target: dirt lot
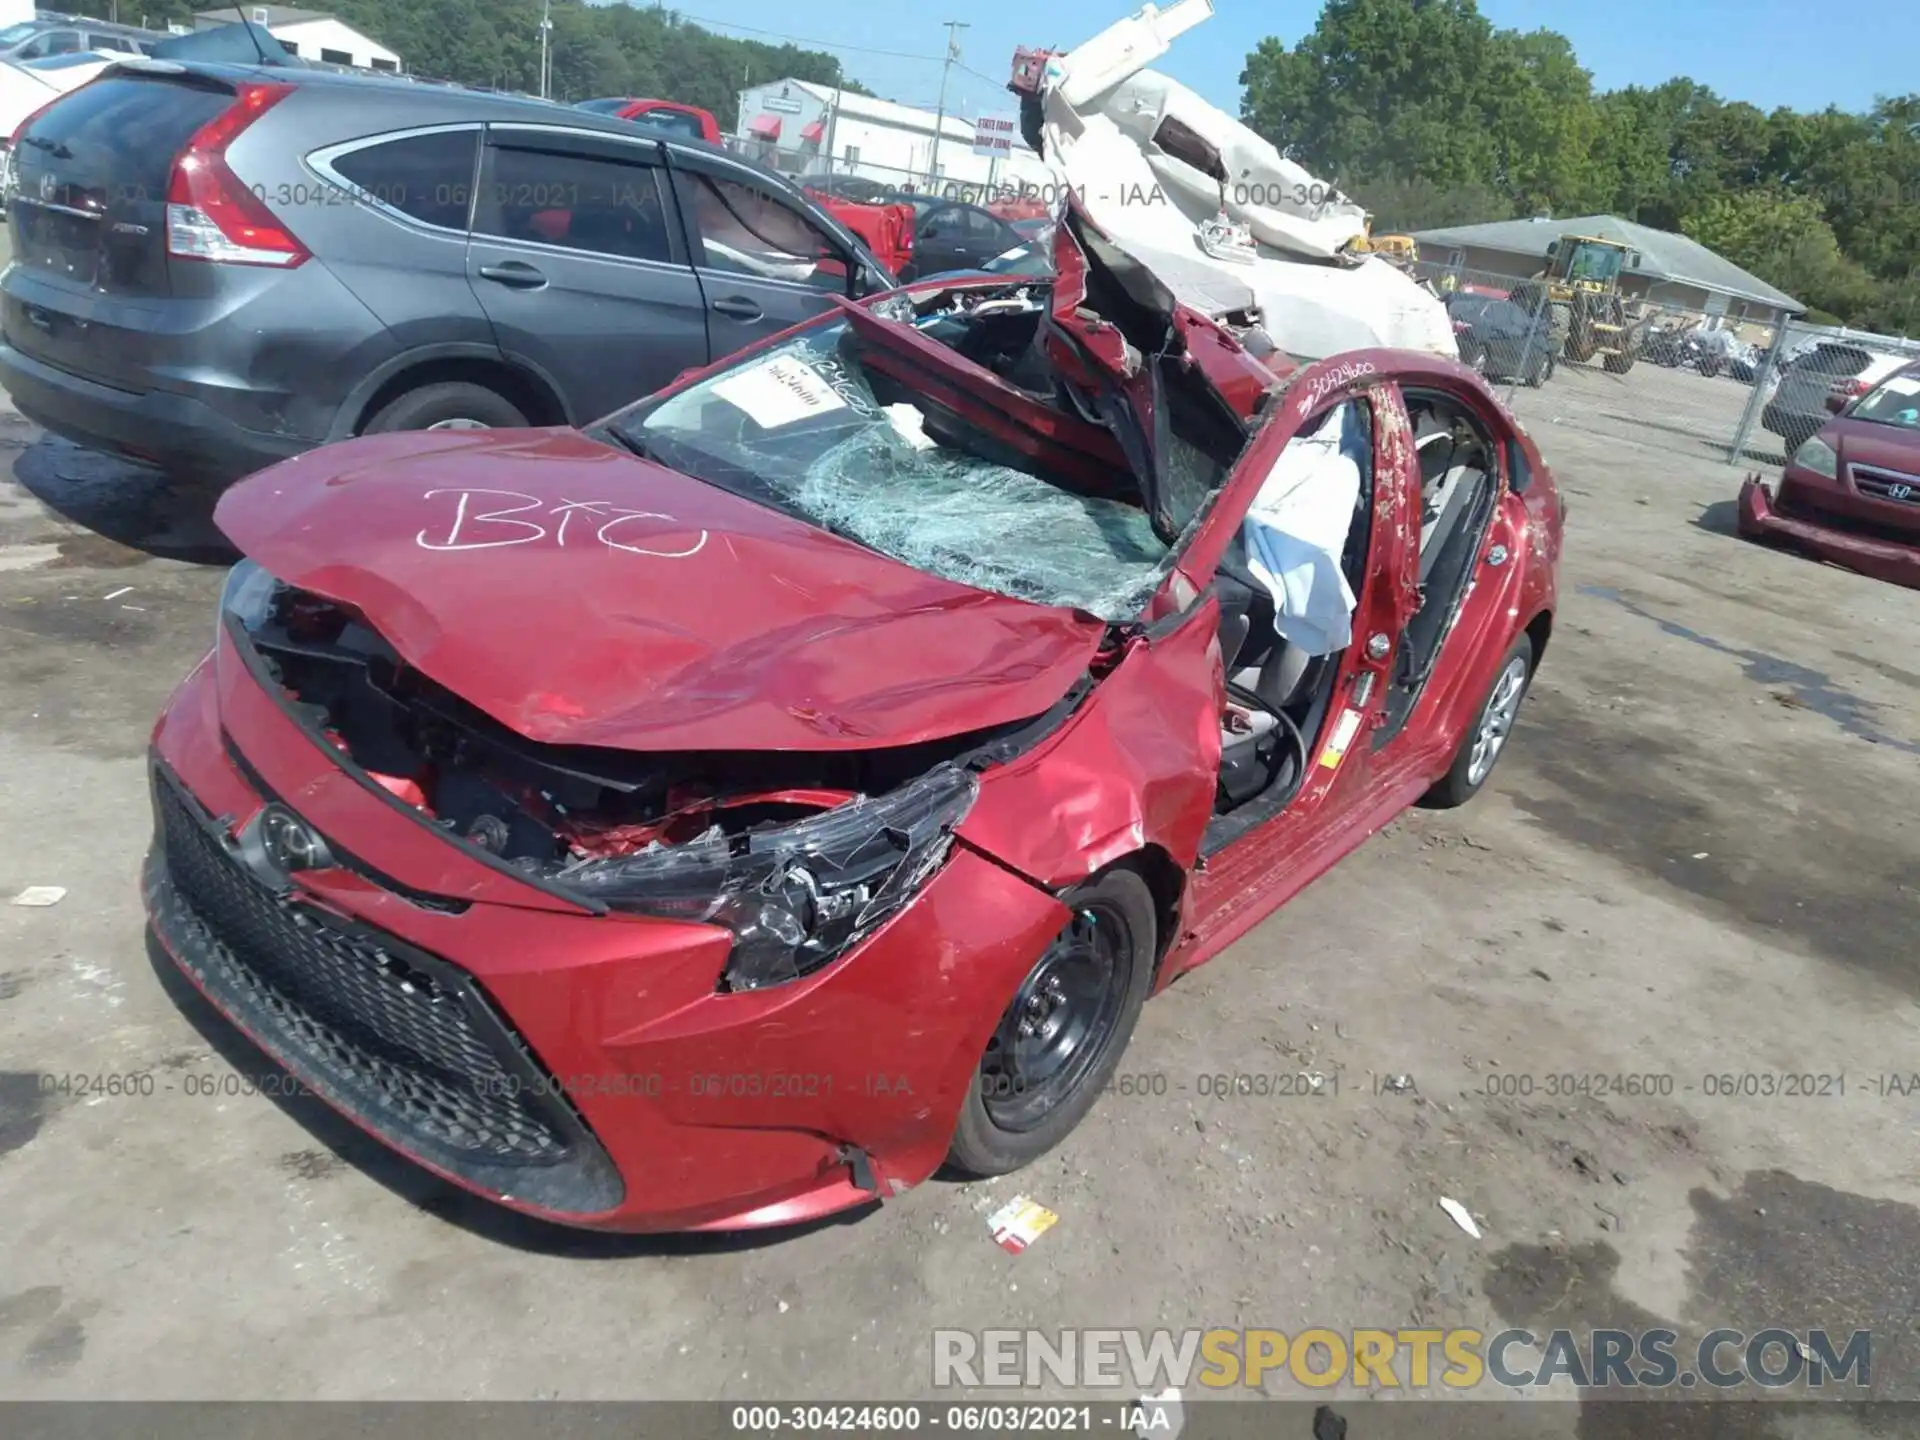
(1700,858)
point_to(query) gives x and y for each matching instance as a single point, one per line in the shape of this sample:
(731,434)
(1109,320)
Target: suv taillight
(211,215)
(1853,389)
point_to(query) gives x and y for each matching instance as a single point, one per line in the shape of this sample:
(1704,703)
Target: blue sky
(1769,52)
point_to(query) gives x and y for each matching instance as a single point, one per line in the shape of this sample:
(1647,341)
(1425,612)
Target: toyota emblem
(276,844)
(290,842)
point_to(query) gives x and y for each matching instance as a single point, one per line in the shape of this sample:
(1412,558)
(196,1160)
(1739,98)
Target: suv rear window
(428,177)
(129,127)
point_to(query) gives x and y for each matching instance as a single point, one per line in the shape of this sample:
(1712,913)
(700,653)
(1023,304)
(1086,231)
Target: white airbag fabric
(1296,531)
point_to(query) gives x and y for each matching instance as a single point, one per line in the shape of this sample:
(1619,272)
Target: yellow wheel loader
(1580,286)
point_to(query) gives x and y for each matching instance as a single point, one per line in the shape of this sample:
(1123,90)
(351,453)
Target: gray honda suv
(218,266)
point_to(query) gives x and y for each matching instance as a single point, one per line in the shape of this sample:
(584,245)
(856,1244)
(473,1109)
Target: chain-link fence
(1648,370)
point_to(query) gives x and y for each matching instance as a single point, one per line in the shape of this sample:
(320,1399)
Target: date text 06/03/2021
(1148,1417)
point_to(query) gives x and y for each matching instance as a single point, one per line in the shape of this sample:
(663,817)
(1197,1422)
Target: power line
(803,40)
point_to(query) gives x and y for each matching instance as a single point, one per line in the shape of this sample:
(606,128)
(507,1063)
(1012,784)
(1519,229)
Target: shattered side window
(806,429)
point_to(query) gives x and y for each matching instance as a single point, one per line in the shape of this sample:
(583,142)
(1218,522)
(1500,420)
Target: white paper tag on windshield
(783,391)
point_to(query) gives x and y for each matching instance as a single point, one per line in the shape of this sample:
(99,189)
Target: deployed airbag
(1296,532)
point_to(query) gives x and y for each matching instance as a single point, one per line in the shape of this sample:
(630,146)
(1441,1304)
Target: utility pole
(833,121)
(954,27)
(546,28)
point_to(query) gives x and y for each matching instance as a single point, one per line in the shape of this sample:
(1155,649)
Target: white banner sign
(995,134)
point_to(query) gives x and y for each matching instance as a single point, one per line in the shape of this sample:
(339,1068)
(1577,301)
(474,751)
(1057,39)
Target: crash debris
(1020,1222)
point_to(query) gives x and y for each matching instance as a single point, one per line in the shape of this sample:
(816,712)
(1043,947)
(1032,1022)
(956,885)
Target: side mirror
(1836,402)
(1553,248)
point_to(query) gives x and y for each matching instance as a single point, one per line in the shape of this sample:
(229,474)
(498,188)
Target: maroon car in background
(1851,493)
(735,811)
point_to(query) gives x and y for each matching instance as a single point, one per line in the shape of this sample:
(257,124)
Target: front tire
(1060,1037)
(1486,739)
(450,405)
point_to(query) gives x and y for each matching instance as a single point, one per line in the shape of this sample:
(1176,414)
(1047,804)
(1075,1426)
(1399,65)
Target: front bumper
(577,1067)
(1882,559)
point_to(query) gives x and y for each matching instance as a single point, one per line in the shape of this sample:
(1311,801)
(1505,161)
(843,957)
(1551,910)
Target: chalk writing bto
(474,528)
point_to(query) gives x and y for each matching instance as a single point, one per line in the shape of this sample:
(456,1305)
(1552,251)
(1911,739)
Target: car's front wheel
(1481,747)
(1060,1037)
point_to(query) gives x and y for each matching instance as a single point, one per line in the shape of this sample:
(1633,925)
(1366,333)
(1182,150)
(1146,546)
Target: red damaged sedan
(1851,493)
(798,782)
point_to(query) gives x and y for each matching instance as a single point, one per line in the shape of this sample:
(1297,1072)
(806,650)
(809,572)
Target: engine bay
(543,808)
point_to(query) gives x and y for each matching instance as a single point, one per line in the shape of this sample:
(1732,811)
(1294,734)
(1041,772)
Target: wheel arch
(1538,630)
(1166,881)
(532,393)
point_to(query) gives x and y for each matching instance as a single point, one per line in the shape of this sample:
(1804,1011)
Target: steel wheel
(1496,721)
(459,423)
(1061,1021)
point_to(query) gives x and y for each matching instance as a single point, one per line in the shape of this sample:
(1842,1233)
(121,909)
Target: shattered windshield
(808,429)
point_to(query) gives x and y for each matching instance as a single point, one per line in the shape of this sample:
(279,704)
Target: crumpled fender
(1136,766)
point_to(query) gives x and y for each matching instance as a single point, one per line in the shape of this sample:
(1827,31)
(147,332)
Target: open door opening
(1282,661)
(1460,488)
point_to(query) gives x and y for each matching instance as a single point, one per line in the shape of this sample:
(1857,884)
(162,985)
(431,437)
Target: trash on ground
(123,590)
(1020,1222)
(1399,1084)
(41,895)
(1458,1214)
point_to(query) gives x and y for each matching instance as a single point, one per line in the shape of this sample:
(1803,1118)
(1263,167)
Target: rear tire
(1102,964)
(1486,739)
(1618,363)
(445,406)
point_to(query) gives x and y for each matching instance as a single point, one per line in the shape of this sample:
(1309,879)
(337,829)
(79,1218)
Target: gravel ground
(1700,858)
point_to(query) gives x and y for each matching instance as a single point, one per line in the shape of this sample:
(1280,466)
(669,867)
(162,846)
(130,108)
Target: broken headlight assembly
(247,597)
(1816,455)
(795,896)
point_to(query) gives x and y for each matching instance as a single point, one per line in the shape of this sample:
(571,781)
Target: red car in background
(886,229)
(736,811)
(689,120)
(1851,492)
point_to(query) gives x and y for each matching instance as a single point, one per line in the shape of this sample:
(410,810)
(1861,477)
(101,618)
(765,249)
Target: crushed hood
(580,595)
(1156,167)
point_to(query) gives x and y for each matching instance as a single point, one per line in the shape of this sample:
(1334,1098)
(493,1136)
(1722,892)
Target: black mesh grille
(404,1033)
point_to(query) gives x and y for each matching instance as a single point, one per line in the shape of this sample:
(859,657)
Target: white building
(310,34)
(795,125)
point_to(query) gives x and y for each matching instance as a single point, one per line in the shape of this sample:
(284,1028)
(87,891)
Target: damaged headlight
(1816,455)
(794,896)
(247,596)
